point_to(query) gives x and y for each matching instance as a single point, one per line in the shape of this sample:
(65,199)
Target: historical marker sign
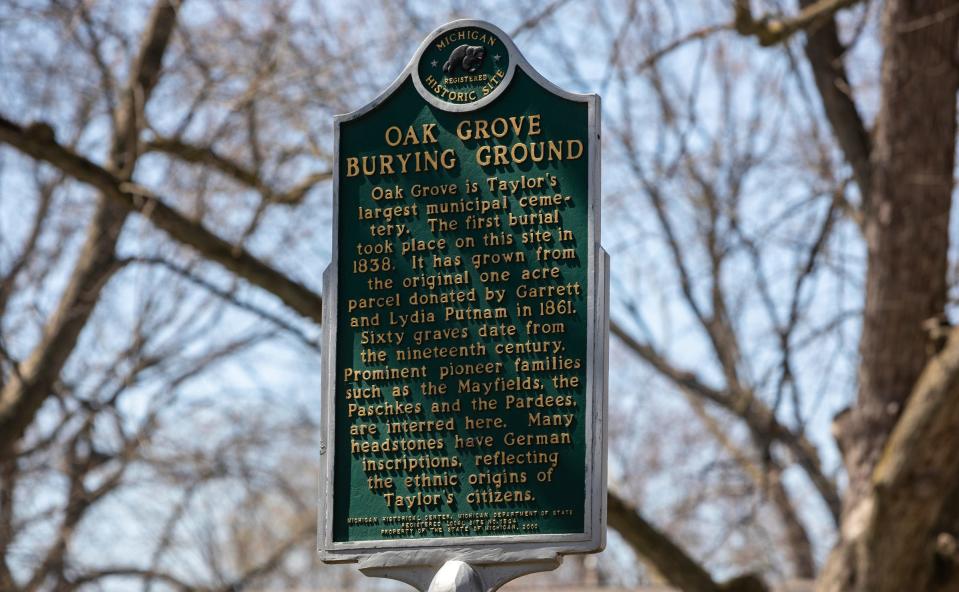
(464,398)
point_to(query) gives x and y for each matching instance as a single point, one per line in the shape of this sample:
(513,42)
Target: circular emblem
(462,66)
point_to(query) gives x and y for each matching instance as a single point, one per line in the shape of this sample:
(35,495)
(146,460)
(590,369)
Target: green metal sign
(464,395)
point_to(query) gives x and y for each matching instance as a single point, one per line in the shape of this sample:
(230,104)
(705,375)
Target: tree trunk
(907,236)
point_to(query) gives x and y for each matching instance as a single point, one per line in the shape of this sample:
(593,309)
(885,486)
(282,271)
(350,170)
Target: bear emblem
(467,57)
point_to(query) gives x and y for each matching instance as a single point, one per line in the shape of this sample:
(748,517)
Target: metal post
(456,576)
(483,572)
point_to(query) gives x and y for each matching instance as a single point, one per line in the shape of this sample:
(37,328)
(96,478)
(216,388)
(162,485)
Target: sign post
(466,323)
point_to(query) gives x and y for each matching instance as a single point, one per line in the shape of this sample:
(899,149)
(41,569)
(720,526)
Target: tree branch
(228,296)
(9,279)
(767,477)
(695,35)
(534,20)
(22,397)
(825,53)
(251,178)
(770,30)
(267,564)
(755,413)
(190,233)
(892,530)
(665,556)
(129,572)
(8,483)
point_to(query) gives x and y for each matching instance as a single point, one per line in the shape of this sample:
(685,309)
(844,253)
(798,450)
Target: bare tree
(896,518)
(116,464)
(781,191)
